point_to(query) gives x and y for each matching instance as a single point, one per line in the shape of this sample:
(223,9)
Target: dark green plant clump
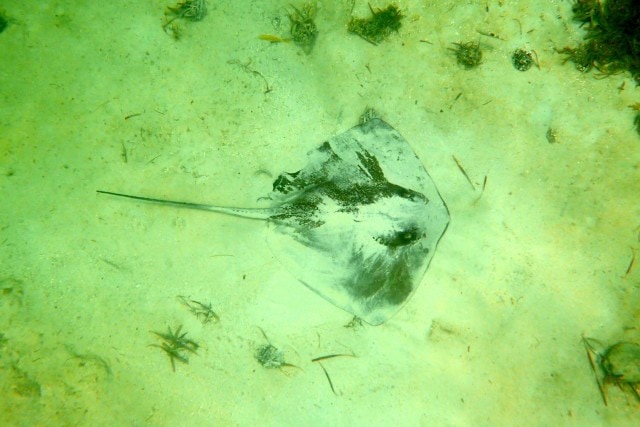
(190,10)
(380,26)
(303,29)
(177,346)
(522,59)
(203,312)
(269,356)
(468,54)
(612,42)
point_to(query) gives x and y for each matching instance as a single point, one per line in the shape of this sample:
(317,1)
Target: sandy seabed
(95,95)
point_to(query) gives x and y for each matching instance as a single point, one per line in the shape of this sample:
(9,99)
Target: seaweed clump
(177,346)
(612,42)
(522,59)
(468,55)
(380,26)
(190,10)
(303,28)
(269,356)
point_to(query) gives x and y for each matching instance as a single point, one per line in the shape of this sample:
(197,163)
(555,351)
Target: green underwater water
(121,313)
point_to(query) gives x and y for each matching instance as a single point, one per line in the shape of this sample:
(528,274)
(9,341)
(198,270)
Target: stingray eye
(400,238)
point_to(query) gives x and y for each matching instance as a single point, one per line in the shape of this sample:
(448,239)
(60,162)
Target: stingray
(358,224)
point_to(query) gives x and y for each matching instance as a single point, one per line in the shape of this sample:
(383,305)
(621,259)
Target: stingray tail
(256,213)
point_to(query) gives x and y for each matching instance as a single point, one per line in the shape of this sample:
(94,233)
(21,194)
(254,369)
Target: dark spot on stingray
(401,237)
(358,224)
